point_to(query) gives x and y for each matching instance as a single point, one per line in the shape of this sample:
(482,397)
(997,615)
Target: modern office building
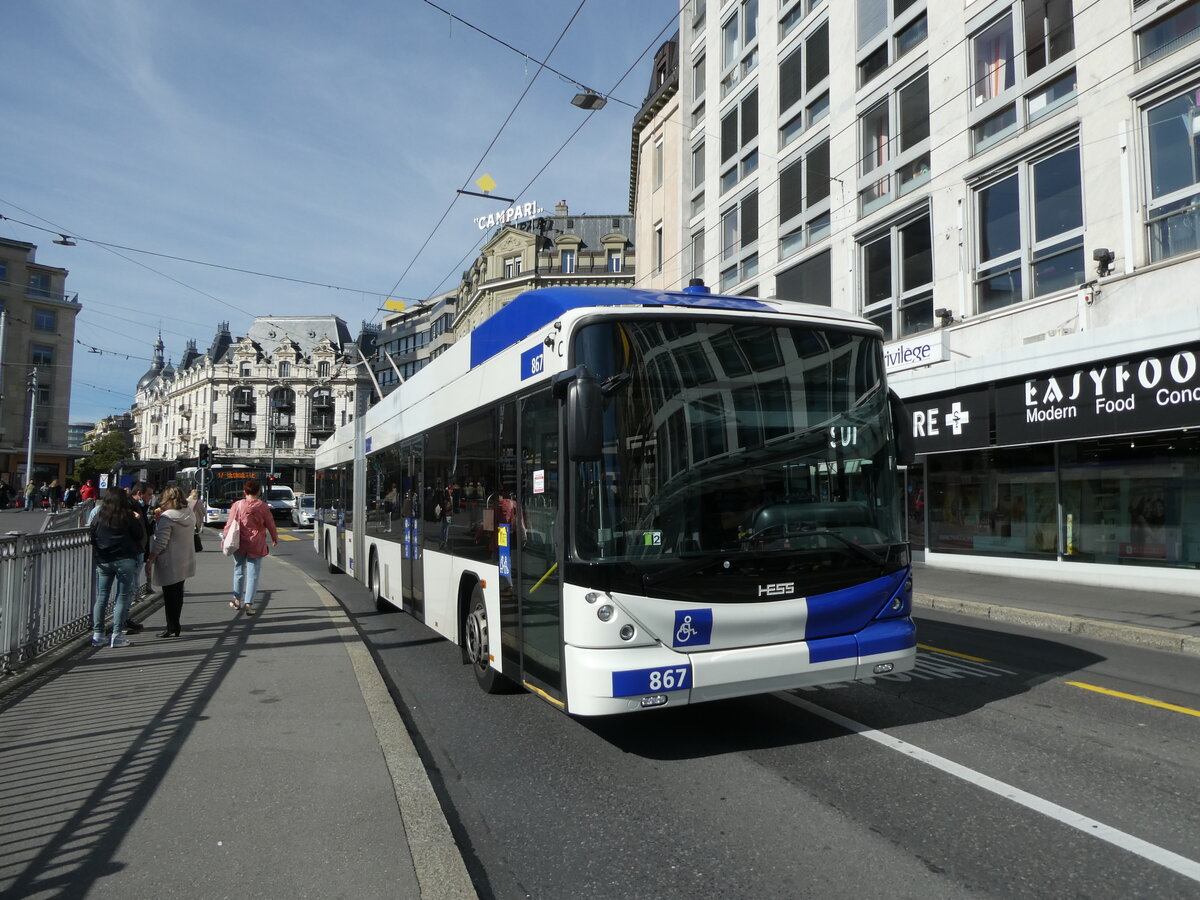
(1010,189)
(38,335)
(408,339)
(267,399)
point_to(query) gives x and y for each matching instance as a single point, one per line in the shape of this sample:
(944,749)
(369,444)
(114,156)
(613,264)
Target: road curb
(1116,632)
(440,869)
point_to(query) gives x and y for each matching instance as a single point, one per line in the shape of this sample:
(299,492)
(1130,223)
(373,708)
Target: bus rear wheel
(476,643)
(381,604)
(333,569)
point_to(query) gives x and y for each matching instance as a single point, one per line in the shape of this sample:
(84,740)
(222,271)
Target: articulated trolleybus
(627,499)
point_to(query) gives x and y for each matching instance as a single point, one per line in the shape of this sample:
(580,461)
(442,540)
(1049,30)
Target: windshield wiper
(853,545)
(682,567)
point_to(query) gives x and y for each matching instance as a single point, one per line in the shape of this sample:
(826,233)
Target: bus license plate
(651,681)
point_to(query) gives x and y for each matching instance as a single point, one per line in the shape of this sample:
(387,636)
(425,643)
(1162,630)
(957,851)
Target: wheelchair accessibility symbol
(693,627)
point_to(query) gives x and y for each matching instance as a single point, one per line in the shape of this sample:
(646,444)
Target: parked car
(281,499)
(304,511)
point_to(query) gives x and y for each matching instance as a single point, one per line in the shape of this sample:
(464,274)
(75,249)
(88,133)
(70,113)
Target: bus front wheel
(476,642)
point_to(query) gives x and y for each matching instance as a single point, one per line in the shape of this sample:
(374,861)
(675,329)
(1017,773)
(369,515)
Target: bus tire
(333,569)
(475,642)
(381,604)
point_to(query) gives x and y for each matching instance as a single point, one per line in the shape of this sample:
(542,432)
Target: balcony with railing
(242,425)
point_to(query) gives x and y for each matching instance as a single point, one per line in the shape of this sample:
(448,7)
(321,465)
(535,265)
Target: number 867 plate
(651,681)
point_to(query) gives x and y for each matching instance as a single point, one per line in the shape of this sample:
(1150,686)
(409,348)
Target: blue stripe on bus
(531,310)
(888,636)
(848,610)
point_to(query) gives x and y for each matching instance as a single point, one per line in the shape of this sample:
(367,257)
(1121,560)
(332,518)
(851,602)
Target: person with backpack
(117,537)
(255,521)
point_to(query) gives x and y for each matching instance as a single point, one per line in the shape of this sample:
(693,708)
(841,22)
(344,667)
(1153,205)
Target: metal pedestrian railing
(46,586)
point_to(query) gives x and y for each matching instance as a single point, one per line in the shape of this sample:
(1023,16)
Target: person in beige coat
(172,558)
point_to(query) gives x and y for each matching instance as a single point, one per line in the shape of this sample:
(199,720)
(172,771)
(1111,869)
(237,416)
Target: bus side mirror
(584,413)
(901,429)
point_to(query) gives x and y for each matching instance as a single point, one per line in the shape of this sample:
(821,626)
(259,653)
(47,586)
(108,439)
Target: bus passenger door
(538,579)
(412,582)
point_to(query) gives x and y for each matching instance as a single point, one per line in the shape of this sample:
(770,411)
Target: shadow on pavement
(943,685)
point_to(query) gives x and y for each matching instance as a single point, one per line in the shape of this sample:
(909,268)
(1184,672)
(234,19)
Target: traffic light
(202,462)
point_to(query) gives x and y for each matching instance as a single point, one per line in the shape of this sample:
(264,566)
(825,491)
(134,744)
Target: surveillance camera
(1104,259)
(944,313)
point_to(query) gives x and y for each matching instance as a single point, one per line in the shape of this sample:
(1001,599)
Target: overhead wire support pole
(487,196)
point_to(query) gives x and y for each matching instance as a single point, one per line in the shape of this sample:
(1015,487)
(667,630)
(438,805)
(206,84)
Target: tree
(106,453)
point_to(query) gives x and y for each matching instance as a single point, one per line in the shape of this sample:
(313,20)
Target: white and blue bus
(625,499)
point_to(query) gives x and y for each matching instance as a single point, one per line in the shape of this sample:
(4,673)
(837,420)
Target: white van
(281,499)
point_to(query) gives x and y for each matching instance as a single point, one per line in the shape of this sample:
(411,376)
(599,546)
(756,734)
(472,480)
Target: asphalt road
(1009,764)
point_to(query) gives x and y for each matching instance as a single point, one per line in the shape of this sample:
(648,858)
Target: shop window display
(999,502)
(1132,501)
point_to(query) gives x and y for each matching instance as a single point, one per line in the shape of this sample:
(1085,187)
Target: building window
(739,141)
(512,267)
(1031,61)
(895,145)
(698,178)
(41,355)
(1173,171)
(739,45)
(566,261)
(699,74)
(1178,29)
(42,435)
(45,393)
(804,85)
(45,320)
(804,200)
(658,248)
(887,30)
(1030,231)
(38,285)
(658,164)
(245,370)
(808,281)
(698,254)
(699,7)
(790,18)
(285,369)
(613,262)
(897,277)
(322,370)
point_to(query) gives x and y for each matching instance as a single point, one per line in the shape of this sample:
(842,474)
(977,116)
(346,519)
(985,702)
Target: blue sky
(317,141)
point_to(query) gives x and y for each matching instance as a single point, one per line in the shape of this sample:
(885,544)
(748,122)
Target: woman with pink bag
(254,521)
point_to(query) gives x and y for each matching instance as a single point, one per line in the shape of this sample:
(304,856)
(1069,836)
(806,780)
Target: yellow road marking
(1136,699)
(284,536)
(952,653)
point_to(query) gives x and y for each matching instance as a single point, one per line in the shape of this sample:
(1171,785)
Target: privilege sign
(914,352)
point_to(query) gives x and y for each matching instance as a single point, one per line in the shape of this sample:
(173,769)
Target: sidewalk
(250,757)
(1149,619)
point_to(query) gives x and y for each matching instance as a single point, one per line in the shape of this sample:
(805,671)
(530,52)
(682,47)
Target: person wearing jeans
(255,521)
(117,536)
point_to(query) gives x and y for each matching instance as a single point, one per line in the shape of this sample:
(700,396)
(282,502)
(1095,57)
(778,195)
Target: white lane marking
(1189,868)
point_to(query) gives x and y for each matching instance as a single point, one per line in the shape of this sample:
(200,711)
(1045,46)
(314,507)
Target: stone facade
(268,398)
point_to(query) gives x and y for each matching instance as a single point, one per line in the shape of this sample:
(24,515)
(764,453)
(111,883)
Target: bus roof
(528,312)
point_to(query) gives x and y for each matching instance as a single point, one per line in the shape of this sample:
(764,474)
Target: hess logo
(782,589)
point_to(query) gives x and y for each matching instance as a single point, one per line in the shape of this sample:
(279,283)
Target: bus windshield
(737,440)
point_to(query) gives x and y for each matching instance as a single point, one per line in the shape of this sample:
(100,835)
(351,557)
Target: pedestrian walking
(30,491)
(6,494)
(117,537)
(55,497)
(255,521)
(172,558)
(88,491)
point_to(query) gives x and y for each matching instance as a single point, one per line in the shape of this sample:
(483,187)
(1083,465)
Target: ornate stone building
(268,398)
(556,250)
